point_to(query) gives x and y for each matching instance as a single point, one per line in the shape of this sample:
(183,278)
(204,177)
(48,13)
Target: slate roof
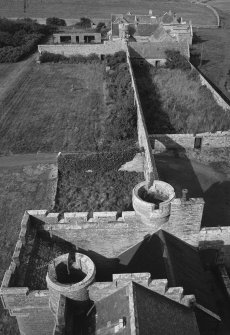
(148,50)
(145,29)
(156,314)
(184,268)
(165,256)
(147,19)
(156,49)
(135,308)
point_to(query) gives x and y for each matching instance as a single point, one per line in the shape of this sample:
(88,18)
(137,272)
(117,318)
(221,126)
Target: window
(197,143)
(65,39)
(102,57)
(141,62)
(157,63)
(77,39)
(89,39)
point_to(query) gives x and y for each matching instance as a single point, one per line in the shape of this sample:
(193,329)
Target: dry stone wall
(160,142)
(105,48)
(150,170)
(219,100)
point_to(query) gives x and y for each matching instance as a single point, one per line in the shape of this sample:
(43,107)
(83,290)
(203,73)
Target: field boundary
(150,170)
(215,14)
(161,142)
(84,49)
(219,100)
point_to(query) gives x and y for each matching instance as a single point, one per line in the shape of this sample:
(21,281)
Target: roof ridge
(134,326)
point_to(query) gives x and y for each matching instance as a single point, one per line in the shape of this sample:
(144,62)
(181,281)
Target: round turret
(70,276)
(153,204)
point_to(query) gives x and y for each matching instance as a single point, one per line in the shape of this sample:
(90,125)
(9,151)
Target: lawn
(22,187)
(214,46)
(55,107)
(93,182)
(103,9)
(174,101)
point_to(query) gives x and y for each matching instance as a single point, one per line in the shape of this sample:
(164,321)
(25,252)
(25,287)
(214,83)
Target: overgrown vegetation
(122,119)
(84,23)
(176,61)
(19,38)
(101,28)
(92,182)
(48,57)
(55,21)
(174,101)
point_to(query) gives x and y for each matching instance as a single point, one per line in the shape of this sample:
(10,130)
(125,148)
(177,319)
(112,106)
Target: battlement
(100,290)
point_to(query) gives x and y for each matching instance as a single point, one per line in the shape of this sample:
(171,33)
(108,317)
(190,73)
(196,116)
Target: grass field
(104,8)
(174,101)
(214,46)
(22,187)
(215,49)
(54,108)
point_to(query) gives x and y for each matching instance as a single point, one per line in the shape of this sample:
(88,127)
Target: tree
(85,22)
(176,61)
(55,21)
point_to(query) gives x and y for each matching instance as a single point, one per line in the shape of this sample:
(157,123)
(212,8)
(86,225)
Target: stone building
(149,36)
(78,37)
(141,28)
(129,274)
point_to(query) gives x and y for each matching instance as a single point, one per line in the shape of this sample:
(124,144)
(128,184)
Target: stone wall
(219,100)
(150,169)
(185,220)
(215,14)
(217,237)
(160,142)
(106,48)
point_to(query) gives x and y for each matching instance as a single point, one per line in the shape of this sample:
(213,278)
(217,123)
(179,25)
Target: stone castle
(138,272)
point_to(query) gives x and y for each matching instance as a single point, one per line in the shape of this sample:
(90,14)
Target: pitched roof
(165,256)
(184,268)
(169,17)
(148,50)
(130,18)
(156,314)
(145,29)
(135,308)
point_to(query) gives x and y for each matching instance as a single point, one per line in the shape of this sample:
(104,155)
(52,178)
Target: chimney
(150,12)
(184,195)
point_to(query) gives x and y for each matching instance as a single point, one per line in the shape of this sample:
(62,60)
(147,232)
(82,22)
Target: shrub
(100,27)
(121,123)
(47,57)
(6,39)
(19,38)
(103,189)
(116,59)
(84,23)
(55,21)
(176,61)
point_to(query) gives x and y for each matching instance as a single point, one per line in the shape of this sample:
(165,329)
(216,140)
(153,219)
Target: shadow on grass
(156,118)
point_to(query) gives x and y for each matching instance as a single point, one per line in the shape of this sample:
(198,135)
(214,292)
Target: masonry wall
(217,237)
(219,100)
(38,322)
(106,48)
(150,169)
(161,142)
(185,220)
